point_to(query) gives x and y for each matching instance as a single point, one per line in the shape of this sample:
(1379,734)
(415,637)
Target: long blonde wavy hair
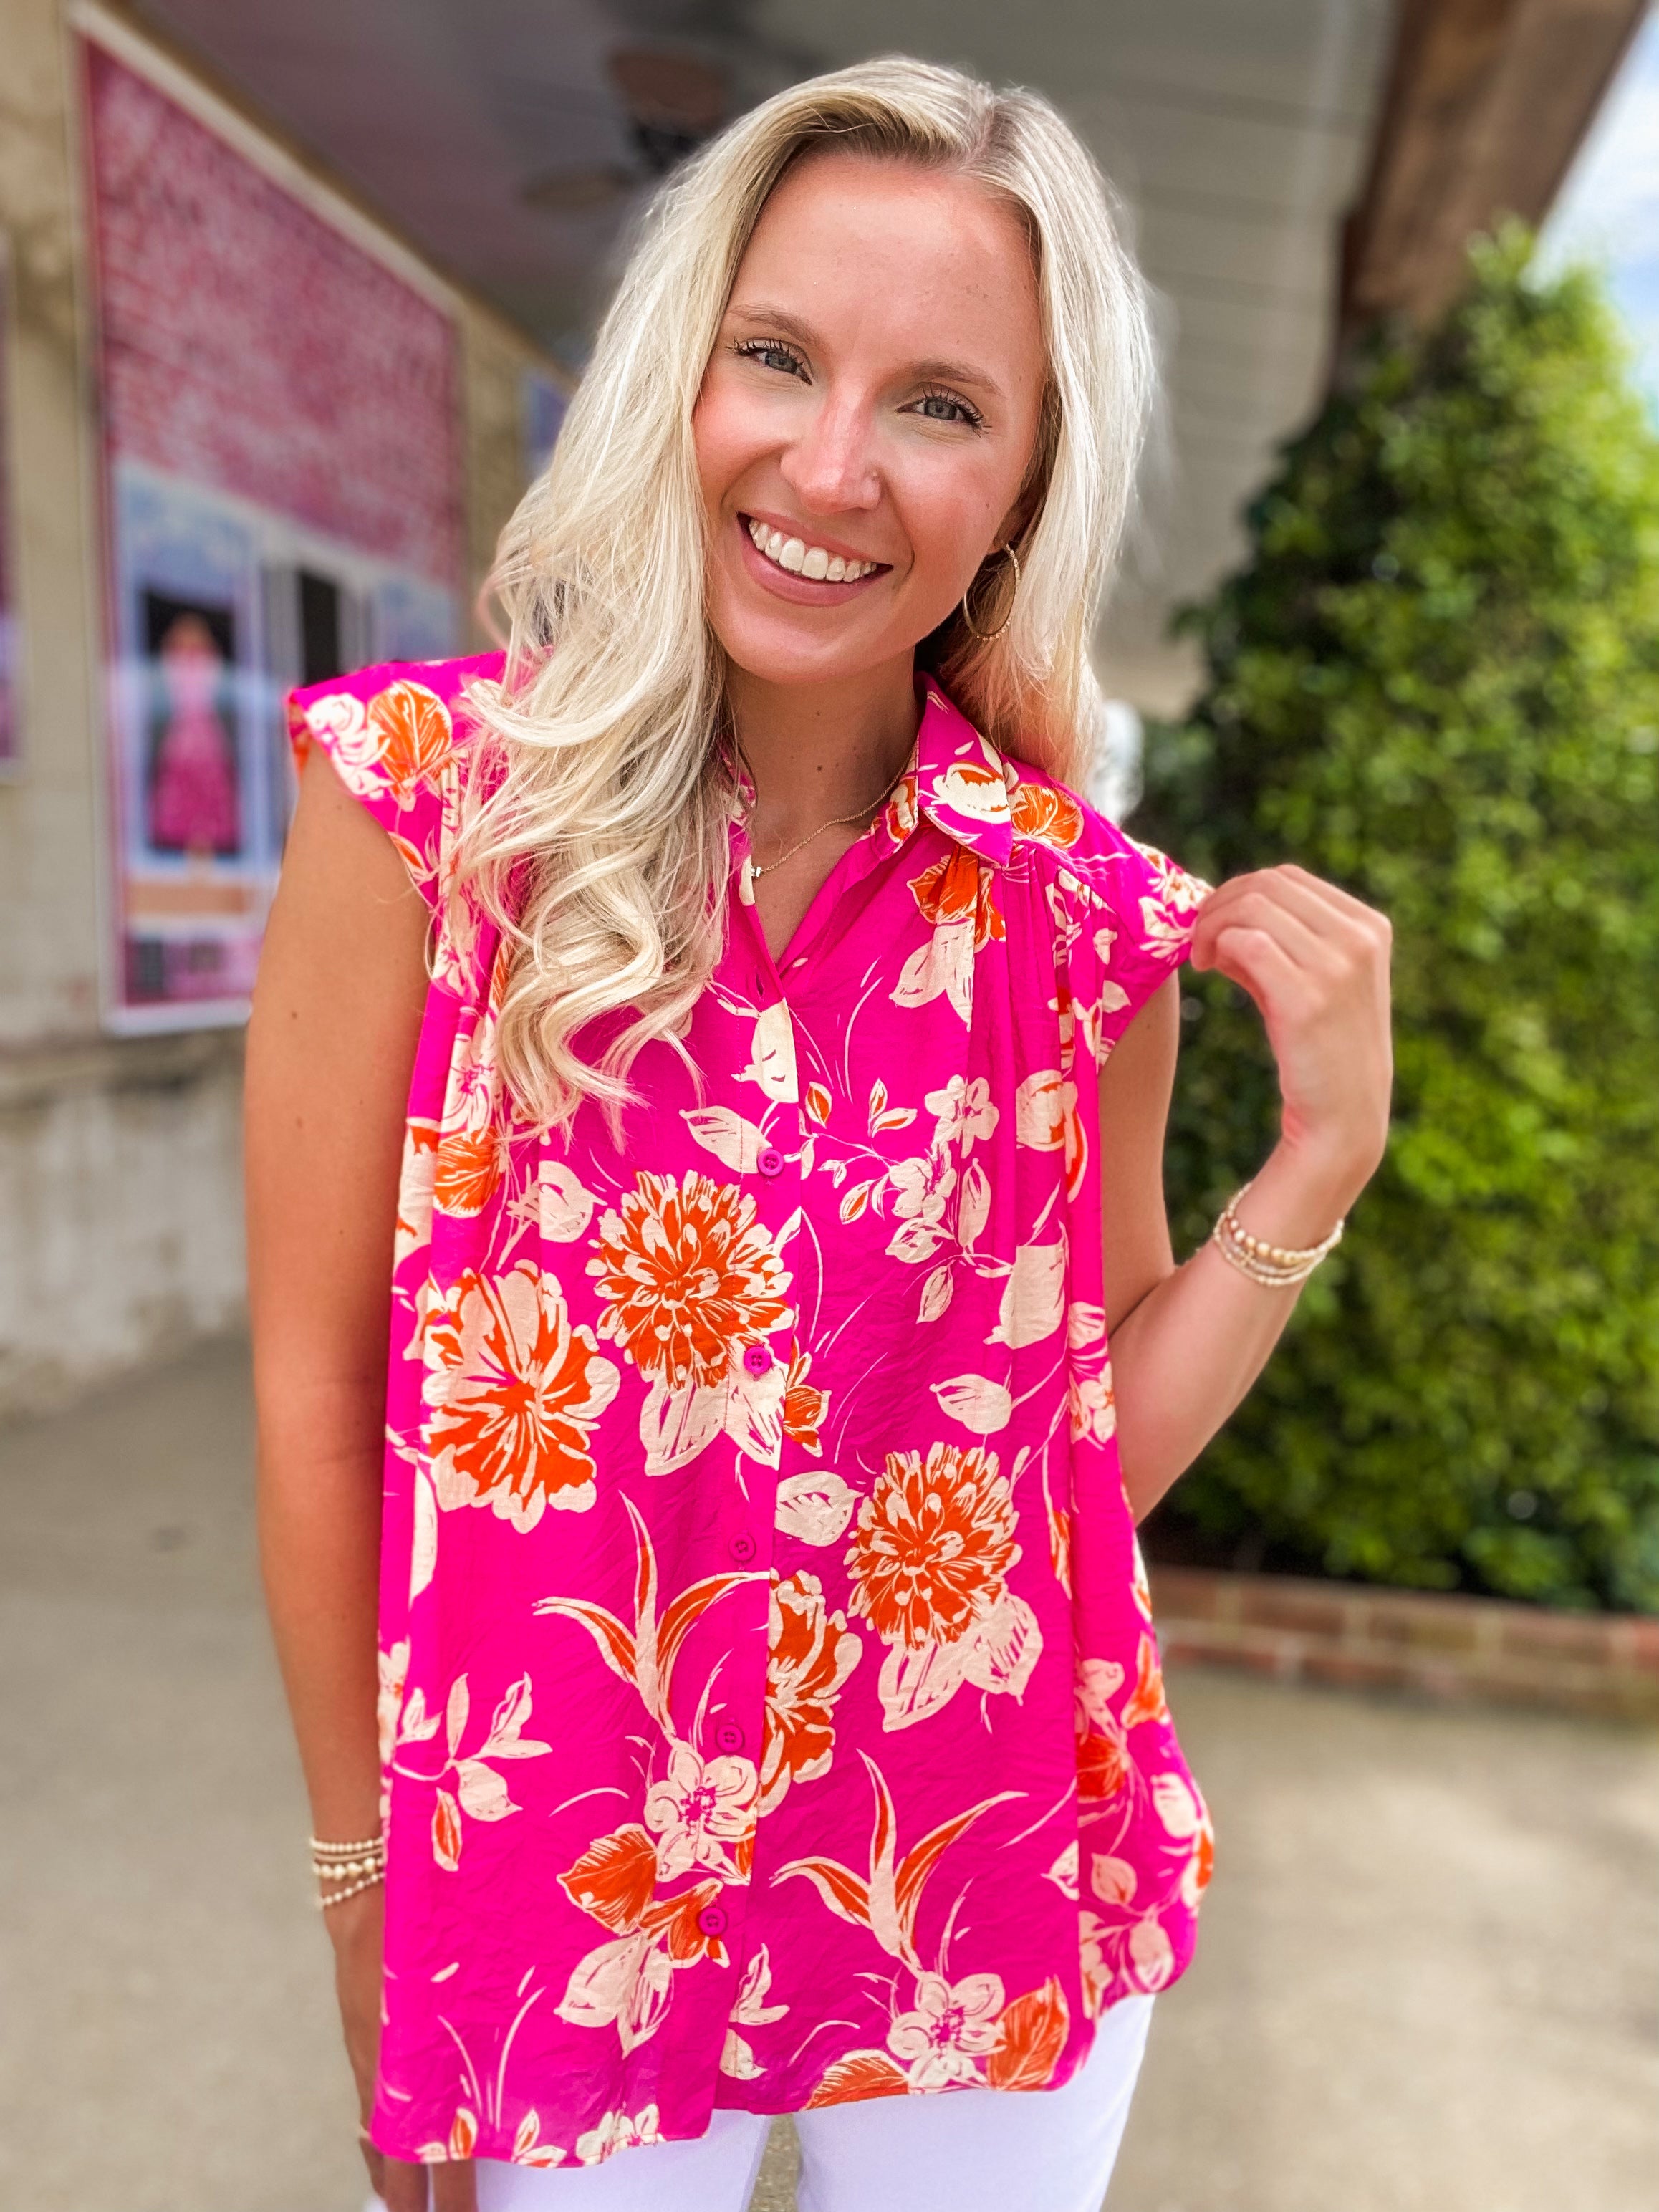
(600,846)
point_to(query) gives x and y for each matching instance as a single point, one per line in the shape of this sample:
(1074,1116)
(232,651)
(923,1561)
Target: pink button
(770,1162)
(757,1359)
(712,1920)
(728,1736)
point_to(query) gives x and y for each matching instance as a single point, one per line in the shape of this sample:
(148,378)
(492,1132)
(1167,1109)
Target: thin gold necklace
(835,821)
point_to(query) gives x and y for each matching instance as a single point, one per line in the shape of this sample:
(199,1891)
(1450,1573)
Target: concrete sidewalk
(1427,1981)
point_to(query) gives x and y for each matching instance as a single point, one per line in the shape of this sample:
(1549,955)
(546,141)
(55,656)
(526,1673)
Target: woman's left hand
(1316,961)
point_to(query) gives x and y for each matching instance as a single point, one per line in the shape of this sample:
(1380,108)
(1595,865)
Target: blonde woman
(721,1040)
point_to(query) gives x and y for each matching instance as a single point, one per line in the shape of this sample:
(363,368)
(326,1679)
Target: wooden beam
(1487,101)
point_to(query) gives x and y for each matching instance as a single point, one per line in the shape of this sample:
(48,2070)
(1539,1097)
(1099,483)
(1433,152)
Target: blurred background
(292,300)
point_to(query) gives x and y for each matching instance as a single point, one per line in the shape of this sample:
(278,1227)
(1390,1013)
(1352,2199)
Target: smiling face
(868,417)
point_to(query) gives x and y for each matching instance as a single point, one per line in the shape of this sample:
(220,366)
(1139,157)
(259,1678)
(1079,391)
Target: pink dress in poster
(192,791)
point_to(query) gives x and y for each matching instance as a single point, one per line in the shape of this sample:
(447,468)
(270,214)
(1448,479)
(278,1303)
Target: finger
(1260,916)
(404,2186)
(1335,895)
(1255,959)
(1323,904)
(1287,891)
(455,2186)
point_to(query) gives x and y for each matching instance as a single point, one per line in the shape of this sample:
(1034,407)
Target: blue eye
(780,358)
(948,407)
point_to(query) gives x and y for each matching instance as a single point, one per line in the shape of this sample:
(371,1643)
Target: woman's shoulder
(1048,817)
(1123,911)
(403,712)
(397,734)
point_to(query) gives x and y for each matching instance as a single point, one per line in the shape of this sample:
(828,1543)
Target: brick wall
(1438,1646)
(248,344)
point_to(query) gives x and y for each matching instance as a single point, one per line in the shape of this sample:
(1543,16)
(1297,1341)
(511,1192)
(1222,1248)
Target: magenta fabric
(771,1712)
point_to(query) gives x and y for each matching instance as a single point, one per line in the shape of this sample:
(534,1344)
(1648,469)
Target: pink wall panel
(248,345)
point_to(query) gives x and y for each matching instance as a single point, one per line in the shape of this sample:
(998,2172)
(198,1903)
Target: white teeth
(803,559)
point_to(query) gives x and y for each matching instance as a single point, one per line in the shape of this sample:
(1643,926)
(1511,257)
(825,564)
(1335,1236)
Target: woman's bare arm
(330,1047)
(1187,1342)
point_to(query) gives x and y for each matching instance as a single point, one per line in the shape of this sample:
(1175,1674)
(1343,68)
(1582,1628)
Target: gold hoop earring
(985,636)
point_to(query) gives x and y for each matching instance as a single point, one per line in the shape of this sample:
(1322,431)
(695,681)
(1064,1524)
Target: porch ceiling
(1236,131)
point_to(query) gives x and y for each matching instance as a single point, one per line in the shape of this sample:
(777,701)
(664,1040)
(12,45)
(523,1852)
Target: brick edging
(1447,1647)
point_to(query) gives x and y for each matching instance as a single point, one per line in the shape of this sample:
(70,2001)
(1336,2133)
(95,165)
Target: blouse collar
(960,786)
(955,778)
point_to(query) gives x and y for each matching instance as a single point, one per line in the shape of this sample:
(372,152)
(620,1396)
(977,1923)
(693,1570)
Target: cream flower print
(929,1561)
(752,2010)
(618,2131)
(478,1789)
(810,1652)
(701,1812)
(394,1672)
(514,1391)
(950,2028)
(965,1112)
(792,1654)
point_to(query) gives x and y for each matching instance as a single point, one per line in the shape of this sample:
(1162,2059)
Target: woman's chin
(788,653)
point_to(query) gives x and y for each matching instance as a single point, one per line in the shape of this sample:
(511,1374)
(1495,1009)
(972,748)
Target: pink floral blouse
(770,1714)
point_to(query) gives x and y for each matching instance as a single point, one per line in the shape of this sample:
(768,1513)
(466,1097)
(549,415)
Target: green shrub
(1436,682)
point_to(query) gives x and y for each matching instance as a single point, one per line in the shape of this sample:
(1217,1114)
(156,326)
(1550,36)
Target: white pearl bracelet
(345,1870)
(1276,1266)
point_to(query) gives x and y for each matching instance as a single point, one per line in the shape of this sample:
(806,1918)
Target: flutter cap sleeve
(390,734)
(1131,923)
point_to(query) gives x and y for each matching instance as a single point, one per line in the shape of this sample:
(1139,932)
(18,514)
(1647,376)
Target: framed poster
(280,409)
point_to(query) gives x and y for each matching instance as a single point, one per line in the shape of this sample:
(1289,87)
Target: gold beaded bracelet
(344,1870)
(1274,1266)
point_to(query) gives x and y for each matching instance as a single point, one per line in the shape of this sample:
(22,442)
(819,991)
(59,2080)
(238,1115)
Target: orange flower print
(1102,1767)
(956,889)
(688,1278)
(1050,814)
(615,1879)
(1195,1875)
(1147,1703)
(934,1541)
(676,1922)
(804,1406)
(516,1391)
(1103,1750)
(1033,2031)
(899,817)
(810,1652)
(413,737)
(468,1169)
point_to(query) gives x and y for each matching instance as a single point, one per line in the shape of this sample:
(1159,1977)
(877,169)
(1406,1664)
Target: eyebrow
(764,315)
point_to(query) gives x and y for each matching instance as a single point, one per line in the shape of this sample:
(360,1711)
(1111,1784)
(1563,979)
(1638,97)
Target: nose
(831,465)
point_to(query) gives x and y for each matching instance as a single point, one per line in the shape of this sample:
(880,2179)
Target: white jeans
(971,2150)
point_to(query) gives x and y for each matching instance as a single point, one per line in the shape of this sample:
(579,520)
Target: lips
(792,566)
(816,563)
